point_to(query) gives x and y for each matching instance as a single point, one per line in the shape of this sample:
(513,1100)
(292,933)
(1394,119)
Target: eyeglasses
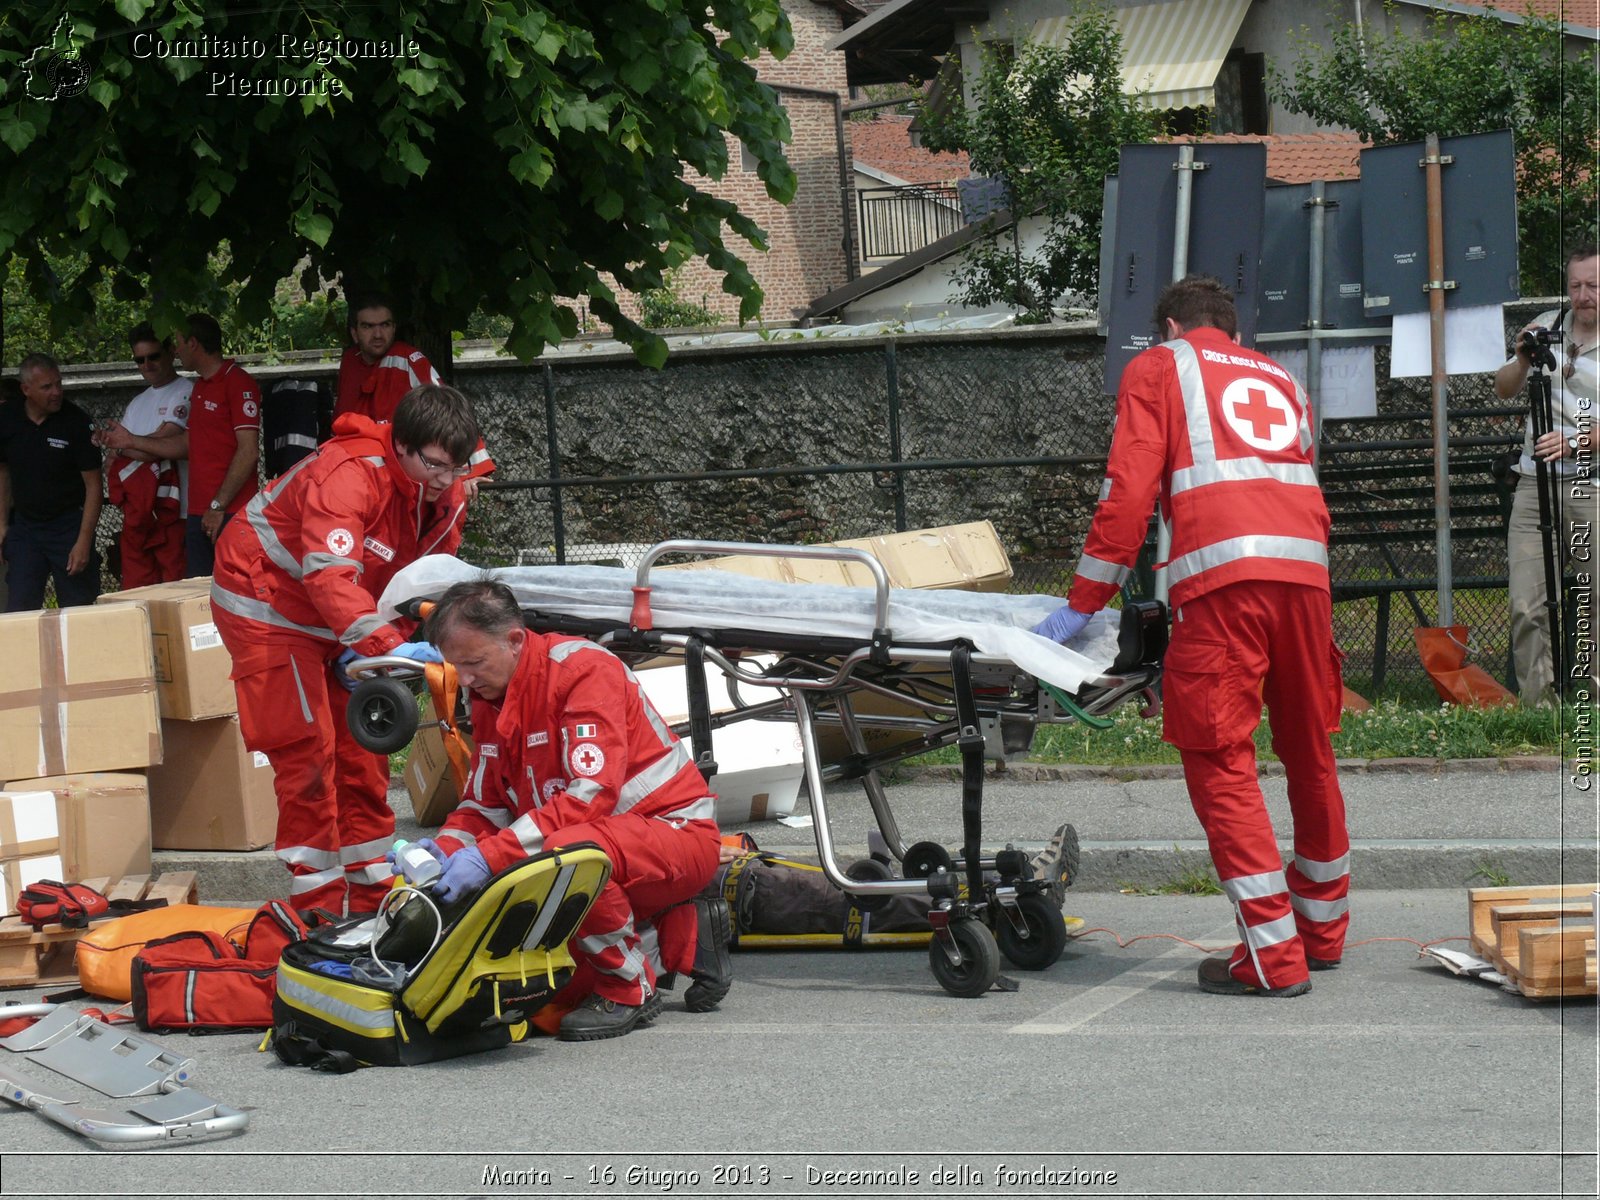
(440,468)
(141,359)
(1569,367)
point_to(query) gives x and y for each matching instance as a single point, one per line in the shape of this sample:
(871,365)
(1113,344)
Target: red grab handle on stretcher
(640,618)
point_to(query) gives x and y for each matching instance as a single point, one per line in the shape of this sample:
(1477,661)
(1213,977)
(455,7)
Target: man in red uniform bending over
(378,369)
(1220,434)
(569,750)
(295,596)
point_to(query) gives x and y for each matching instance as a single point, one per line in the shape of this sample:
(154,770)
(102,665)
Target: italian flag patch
(586,731)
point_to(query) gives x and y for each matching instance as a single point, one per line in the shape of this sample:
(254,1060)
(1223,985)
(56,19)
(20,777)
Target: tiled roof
(1301,157)
(885,143)
(1585,13)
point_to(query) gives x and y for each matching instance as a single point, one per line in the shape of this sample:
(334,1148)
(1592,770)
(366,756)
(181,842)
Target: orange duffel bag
(105,953)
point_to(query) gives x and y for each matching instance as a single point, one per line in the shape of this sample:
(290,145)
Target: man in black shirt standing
(49,492)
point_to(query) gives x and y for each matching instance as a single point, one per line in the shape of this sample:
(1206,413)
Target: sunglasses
(141,359)
(1570,367)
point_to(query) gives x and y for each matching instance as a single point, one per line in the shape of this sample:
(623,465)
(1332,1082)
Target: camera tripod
(1542,422)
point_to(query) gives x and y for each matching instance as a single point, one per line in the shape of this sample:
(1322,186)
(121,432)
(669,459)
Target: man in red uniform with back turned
(295,597)
(378,369)
(1220,435)
(224,438)
(570,750)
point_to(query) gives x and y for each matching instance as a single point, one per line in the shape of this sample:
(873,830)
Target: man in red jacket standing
(295,596)
(569,750)
(1220,435)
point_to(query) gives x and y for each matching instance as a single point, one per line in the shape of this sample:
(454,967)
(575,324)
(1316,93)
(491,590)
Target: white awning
(1173,49)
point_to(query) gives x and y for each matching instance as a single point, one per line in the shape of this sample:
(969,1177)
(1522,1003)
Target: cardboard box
(427,775)
(103,820)
(952,556)
(30,842)
(80,692)
(759,763)
(211,793)
(191,663)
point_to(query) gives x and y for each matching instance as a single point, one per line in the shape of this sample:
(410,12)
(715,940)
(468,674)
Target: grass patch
(1491,875)
(1191,880)
(1390,730)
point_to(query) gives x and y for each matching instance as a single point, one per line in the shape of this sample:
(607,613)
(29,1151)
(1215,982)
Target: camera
(1537,342)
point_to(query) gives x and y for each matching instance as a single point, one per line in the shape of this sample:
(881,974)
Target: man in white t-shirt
(149,475)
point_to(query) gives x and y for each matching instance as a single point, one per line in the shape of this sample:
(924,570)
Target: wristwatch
(216,505)
(1572,443)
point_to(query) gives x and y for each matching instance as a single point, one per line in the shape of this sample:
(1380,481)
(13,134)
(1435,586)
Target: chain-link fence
(815,440)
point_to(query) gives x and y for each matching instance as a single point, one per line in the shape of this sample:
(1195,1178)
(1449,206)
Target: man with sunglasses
(295,595)
(1568,452)
(148,474)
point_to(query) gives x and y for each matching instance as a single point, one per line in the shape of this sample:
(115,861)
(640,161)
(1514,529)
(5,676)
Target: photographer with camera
(1560,443)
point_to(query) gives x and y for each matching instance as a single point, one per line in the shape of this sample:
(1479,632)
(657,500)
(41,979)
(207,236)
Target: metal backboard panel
(1479,198)
(1286,259)
(1225,220)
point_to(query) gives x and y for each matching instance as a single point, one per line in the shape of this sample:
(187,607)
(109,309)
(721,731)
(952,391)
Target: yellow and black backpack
(346,998)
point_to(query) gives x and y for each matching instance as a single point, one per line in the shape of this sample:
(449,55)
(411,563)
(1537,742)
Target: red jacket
(573,741)
(1220,435)
(375,390)
(313,552)
(148,495)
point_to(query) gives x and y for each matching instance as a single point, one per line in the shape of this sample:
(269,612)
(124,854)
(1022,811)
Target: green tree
(1047,124)
(1471,74)
(499,155)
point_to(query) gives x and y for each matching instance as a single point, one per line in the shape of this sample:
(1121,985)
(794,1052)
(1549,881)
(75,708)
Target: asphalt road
(1109,1074)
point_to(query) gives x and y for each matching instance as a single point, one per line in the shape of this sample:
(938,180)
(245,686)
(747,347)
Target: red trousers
(152,555)
(640,926)
(334,819)
(1231,649)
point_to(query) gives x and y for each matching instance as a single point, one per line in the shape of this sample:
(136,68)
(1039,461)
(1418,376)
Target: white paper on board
(1349,381)
(1474,339)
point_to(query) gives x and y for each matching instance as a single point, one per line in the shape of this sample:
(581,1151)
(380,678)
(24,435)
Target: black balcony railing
(899,220)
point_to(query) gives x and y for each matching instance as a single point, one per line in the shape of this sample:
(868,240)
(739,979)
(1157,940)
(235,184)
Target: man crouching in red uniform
(569,750)
(295,596)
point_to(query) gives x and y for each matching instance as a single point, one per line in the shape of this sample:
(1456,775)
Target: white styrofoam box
(759,763)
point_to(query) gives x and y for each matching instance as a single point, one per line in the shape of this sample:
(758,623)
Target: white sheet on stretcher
(995,623)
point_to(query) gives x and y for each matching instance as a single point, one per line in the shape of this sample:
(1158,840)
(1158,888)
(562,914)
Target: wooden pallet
(1541,938)
(48,957)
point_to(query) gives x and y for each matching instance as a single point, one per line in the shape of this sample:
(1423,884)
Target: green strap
(1072,707)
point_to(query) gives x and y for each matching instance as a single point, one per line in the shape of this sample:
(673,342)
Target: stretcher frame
(988,707)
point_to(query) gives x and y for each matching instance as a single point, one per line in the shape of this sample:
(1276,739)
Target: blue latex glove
(428,844)
(1063,625)
(464,873)
(419,652)
(339,675)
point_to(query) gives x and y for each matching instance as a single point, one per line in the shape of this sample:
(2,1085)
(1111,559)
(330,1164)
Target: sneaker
(1322,964)
(1057,863)
(713,966)
(597,1018)
(1219,981)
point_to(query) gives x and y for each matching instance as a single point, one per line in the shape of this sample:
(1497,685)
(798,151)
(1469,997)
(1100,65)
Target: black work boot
(597,1018)
(1057,863)
(713,966)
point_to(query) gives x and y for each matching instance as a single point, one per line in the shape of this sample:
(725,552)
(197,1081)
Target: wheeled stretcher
(932,668)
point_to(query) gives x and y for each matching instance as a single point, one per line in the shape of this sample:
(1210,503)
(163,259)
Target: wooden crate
(48,957)
(1541,938)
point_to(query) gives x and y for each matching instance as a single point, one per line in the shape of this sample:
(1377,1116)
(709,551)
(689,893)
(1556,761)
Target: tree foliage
(1472,74)
(498,155)
(1047,124)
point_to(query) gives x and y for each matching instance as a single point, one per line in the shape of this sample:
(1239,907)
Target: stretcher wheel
(865,869)
(925,858)
(382,715)
(1041,939)
(980,959)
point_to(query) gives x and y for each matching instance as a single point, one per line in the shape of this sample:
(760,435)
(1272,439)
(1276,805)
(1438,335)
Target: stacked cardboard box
(210,793)
(80,712)
(434,794)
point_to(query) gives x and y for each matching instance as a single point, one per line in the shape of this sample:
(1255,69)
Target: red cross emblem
(1259,413)
(588,759)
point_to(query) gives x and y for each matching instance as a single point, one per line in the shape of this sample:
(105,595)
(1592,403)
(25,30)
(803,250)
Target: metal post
(1319,235)
(892,378)
(553,450)
(1431,166)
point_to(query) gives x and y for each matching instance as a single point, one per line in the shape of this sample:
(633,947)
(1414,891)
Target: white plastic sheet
(995,623)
